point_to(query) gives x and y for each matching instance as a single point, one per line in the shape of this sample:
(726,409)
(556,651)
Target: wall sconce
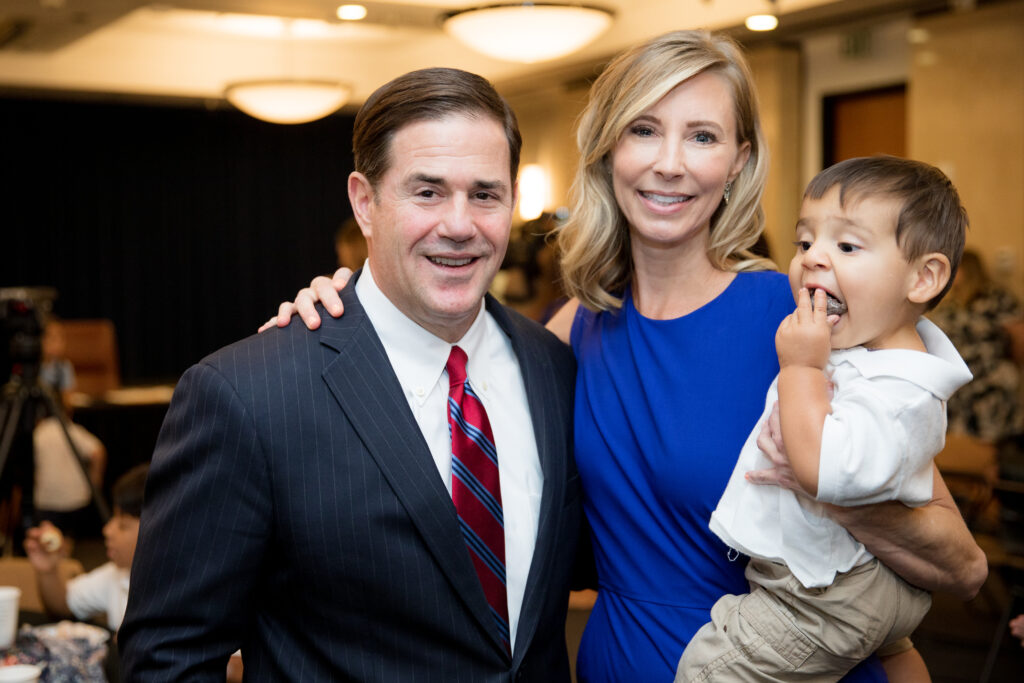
(533,191)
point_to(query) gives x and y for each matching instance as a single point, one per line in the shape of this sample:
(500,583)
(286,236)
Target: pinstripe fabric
(295,513)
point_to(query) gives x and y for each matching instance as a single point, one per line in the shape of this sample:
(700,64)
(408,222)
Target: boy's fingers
(820,305)
(803,305)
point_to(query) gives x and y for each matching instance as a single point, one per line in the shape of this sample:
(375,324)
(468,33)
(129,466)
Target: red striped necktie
(475,487)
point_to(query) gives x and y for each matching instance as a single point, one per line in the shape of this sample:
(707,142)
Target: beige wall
(776,72)
(966,115)
(547,120)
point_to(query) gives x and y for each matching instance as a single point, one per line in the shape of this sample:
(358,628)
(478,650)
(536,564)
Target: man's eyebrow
(489,185)
(492,185)
(429,179)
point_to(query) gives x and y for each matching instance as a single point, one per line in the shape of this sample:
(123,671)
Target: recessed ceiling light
(351,12)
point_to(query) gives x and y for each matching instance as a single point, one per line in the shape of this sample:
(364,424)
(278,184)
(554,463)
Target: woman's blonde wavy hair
(596,259)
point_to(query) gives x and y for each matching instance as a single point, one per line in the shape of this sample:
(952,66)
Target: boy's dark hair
(932,218)
(129,489)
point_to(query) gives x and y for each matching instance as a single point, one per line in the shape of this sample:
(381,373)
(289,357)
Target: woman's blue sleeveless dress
(662,410)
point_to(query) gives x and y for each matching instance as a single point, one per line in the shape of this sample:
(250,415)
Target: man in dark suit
(307,499)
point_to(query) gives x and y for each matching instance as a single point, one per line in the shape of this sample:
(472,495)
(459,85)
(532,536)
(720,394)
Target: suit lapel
(366,388)
(538,381)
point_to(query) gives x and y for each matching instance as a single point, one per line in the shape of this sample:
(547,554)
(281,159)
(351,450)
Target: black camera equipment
(24,399)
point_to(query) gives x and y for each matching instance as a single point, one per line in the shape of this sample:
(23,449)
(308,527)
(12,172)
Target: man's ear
(360,196)
(929,279)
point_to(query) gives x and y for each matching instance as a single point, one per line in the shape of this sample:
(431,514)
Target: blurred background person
(61,494)
(55,370)
(350,245)
(976,316)
(532,282)
(104,590)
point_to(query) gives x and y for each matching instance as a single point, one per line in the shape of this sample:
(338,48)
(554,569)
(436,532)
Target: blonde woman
(672,321)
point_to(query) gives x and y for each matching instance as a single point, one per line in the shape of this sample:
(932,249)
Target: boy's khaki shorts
(781,627)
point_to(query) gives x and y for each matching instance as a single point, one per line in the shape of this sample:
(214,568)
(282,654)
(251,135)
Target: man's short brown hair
(426,94)
(932,219)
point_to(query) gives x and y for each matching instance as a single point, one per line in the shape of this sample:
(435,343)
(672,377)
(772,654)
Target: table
(68,652)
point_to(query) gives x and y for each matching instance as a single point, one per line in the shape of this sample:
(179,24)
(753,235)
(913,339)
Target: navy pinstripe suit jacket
(293,510)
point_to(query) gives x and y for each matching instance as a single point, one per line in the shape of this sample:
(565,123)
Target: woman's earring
(728,191)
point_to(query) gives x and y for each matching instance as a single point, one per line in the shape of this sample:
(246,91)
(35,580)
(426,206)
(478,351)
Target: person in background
(104,590)
(672,321)
(350,245)
(61,493)
(393,497)
(976,316)
(55,370)
(533,287)
(860,396)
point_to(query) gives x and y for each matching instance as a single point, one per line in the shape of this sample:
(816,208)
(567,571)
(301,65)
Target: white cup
(20,673)
(9,598)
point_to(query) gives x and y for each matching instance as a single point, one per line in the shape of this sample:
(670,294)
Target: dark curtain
(185,226)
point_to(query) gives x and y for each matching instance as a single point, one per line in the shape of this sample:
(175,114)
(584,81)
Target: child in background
(861,391)
(55,370)
(104,590)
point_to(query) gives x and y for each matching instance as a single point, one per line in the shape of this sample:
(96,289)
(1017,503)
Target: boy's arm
(54,592)
(803,345)
(929,546)
(52,588)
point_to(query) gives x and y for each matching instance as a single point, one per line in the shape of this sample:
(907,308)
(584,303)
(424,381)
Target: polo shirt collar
(940,371)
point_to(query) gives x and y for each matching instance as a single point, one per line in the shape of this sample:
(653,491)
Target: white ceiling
(193,48)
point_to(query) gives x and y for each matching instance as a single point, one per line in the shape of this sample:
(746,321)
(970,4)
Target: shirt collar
(417,356)
(941,370)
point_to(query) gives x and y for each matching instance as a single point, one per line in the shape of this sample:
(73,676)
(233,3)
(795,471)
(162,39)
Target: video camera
(23,313)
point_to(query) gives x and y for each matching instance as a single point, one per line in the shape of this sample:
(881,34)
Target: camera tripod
(20,403)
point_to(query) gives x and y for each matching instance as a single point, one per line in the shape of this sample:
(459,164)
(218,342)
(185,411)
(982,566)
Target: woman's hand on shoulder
(321,289)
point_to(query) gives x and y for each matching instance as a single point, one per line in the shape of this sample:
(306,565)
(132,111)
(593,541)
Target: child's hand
(39,548)
(804,337)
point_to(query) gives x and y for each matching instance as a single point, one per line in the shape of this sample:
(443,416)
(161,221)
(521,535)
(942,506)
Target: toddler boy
(862,391)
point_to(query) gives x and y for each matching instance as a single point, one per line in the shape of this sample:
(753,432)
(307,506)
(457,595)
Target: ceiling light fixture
(528,32)
(764,22)
(288,100)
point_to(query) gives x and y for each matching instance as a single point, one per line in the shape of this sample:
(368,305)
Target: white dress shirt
(418,359)
(888,422)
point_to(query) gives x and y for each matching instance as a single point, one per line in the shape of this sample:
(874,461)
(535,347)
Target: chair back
(18,571)
(91,346)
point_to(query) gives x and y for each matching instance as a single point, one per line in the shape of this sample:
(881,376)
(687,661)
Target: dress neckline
(631,307)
